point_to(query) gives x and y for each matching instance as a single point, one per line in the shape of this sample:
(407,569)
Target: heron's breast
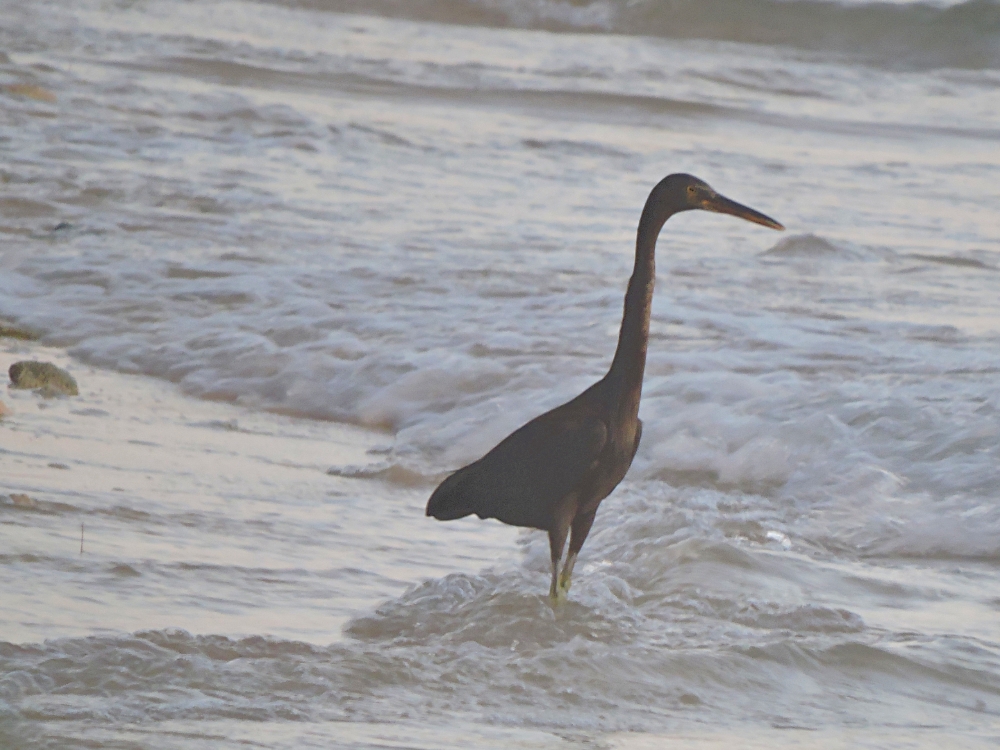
(610,468)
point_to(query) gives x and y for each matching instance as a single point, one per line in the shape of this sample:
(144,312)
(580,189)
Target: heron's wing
(522,479)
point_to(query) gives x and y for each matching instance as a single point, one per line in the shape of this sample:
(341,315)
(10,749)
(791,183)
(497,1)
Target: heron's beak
(721,204)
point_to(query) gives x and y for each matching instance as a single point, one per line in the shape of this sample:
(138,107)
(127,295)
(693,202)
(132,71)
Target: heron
(553,472)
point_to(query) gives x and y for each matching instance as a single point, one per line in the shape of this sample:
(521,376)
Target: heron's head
(684,192)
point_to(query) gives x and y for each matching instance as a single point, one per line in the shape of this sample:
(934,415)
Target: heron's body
(552,473)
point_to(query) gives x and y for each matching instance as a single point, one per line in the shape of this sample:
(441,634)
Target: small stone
(29,91)
(23,501)
(45,376)
(13,332)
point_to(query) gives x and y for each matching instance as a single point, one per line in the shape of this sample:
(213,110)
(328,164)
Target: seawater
(401,230)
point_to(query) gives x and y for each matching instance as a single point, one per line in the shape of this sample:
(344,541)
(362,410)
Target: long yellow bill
(723,205)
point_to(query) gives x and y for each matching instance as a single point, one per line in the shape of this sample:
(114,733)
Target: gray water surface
(306,258)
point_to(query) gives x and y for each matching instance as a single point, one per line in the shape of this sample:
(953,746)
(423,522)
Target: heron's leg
(566,577)
(557,540)
(581,527)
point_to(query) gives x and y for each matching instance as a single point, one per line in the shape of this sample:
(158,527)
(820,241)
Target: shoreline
(178,499)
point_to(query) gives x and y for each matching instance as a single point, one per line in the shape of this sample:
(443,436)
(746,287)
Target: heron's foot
(565,581)
(557,594)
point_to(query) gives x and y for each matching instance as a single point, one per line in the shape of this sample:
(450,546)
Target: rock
(23,501)
(29,91)
(45,376)
(13,332)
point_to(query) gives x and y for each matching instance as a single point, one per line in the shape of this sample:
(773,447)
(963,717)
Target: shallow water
(305,260)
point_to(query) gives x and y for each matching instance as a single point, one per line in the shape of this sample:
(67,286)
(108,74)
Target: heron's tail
(449,501)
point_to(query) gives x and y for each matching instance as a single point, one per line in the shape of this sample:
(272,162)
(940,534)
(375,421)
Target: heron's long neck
(630,358)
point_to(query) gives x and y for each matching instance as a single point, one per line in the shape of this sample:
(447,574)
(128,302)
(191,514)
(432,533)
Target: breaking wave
(962,35)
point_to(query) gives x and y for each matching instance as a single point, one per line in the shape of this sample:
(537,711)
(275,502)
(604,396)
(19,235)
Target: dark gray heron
(552,473)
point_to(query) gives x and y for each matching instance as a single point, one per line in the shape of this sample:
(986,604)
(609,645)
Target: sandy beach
(135,463)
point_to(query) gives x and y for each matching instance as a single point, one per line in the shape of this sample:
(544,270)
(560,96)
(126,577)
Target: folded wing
(522,479)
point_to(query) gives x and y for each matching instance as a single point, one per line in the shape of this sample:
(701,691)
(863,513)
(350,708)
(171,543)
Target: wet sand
(137,463)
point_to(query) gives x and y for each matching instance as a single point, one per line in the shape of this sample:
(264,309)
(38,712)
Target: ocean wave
(807,246)
(962,35)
